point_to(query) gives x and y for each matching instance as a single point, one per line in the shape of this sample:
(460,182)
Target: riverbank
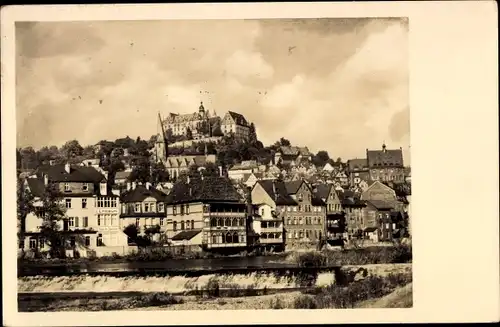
(390,289)
(368,255)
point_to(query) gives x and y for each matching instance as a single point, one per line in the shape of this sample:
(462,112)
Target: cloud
(333,84)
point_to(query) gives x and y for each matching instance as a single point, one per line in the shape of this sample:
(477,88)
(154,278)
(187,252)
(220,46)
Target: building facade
(235,124)
(90,225)
(207,211)
(144,207)
(386,165)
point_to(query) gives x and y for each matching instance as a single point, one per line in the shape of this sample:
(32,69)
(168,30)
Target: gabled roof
(370,229)
(210,188)
(186,235)
(239,119)
(140,193)
(293,186)
(122,174)
(384,158)
(277,191)
(357,164)
(323,190)
(82,174)
(381,205)
(294,151)
(36,186)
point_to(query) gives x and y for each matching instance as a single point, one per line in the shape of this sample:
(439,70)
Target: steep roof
(294,151)
(210,188)
(357,164)
(384,158)
(277,191)
(239,119)
(82,174)
(381,205)
(323,190)
(36,186)
(293,186)
(140,193)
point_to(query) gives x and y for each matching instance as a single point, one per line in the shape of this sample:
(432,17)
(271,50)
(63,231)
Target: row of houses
(209,213)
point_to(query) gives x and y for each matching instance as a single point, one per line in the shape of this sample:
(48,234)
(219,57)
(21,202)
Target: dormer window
(85,186)
(66,187)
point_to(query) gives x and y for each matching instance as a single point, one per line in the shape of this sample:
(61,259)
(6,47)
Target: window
(71,222)
(182,224)
(85,186)
(77,221)
(85,222)
(187,209)
(182,209)
(32,243)
(187,225)
(41,243)
(174,210)
(99,240)
(72,241)
(160,207)
(175,226)
(113,218)
(98,220)
(147,207)
(137,222)
(137,207)
(192,224)
(162,221)
(66,187)
(68,203)
(87,240)
(301,222)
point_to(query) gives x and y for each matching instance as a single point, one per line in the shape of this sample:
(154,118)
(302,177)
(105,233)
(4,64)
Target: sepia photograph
(213,164)
(237,162)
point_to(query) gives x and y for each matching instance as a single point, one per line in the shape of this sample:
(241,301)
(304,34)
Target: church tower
(201,109)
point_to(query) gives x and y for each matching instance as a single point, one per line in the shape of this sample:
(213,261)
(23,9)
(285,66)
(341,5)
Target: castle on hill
(199,125)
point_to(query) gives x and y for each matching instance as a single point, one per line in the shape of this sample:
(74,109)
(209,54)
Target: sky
(339,85)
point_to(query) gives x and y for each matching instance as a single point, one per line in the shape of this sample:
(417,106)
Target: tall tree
(253,134)
(158,173)
(141,171)
(284,142)
(321,158)
(52,211)
(189,134)
(29,158)
(72,149)
(25,206)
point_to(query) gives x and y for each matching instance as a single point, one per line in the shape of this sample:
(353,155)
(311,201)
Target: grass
(372,255)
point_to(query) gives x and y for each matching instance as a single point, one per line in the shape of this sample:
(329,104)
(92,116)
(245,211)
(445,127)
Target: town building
(91,223)
(335,217)
(292,155)
(268,226)
(386,165)
(208,212)
(122,177)
(198,123)
(302,212)
(358,171)
(144,207)
(235,124)
(176,165)
(238,171)
(353,207)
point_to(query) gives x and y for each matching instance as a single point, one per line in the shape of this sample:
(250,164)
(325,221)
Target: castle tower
(201,109)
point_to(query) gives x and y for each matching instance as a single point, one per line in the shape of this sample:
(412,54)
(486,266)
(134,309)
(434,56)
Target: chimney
(188,181)
(274,190)
(67,167)
(46,179)
(220,171)
(129,186)
(148,185)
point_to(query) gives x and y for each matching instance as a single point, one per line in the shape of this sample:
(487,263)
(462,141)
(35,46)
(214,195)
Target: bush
(312,259)
(154,300)
(305,302)
(276,304)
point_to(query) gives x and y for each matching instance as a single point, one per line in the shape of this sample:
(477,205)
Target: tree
(339,160)
(71,149)
(29,159)
(216,131)
(189,133)
(158,173)
(89,152)
(25,206)
(132,232)
(124,143)
(44,155)
(321,158)
(253,134)
(52,212)
(284,142)
(141,171)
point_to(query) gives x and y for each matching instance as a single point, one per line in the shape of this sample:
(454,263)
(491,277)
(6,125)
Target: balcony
(271,240)
(272,229)
(225,214)
(225,245)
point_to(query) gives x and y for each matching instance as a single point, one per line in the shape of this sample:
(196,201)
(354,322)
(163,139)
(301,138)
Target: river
(166,265)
